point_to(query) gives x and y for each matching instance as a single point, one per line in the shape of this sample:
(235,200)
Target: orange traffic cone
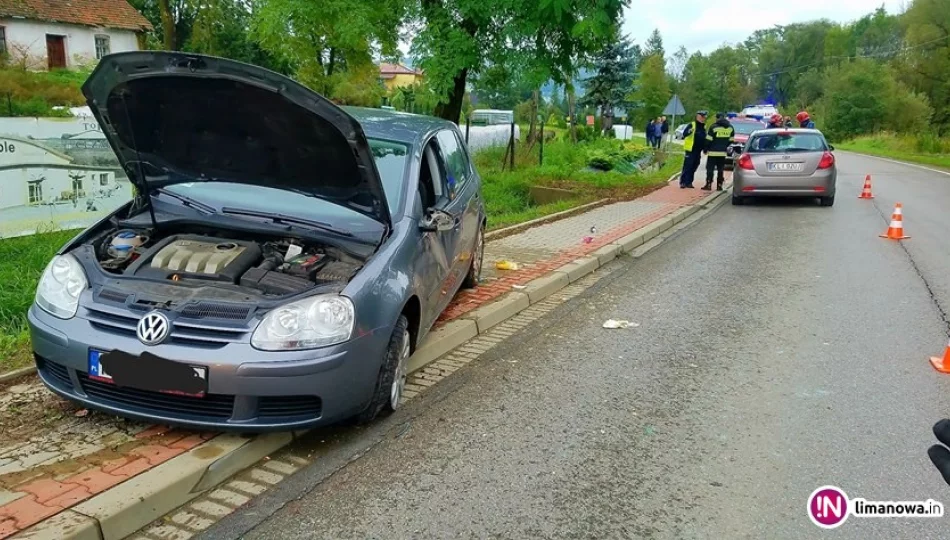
(896,230)
(866,192)
(942,364)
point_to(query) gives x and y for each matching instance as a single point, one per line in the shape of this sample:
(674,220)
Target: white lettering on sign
(7,147)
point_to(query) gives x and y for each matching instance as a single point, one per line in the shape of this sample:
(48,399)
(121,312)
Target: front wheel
(475,268)
(391,381)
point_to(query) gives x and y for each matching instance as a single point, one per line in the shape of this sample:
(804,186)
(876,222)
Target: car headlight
(60,286)
(306,324)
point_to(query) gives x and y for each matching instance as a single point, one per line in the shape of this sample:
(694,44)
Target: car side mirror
(831,148)
(437,220)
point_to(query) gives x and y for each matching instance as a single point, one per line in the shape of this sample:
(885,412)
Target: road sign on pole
(674,108)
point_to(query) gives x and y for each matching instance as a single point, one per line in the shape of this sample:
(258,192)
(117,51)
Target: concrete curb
(17,373)
(127,507)
(124,509)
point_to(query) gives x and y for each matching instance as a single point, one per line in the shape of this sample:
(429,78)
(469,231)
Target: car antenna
(138,161)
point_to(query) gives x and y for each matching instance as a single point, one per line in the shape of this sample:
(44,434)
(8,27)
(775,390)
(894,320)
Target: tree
(460,38)
(611,85)
(699,83)
(321,41)
(654,91)
(654,45)
(675,68)
(926,63)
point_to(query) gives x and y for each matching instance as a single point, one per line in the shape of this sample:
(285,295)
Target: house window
(103,179)
(35,192)
(3,40)
(102,46)
(77,186)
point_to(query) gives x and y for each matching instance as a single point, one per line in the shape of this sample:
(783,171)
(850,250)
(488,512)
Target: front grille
(213,406)
(54,371)
(118,321)
(289,407)
(216,310)
(112,295)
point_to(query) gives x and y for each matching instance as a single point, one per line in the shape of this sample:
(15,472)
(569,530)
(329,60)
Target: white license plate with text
(785,167)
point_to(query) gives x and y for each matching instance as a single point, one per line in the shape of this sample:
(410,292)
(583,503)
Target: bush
(28,93)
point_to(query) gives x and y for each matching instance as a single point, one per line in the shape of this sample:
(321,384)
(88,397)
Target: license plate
(148,373)
(785,167)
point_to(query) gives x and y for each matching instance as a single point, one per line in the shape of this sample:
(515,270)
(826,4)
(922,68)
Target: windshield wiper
(188,201)
(285,219)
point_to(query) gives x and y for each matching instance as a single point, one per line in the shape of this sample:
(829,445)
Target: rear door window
(787,142)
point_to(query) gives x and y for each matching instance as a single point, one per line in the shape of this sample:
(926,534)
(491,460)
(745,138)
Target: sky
(704,25)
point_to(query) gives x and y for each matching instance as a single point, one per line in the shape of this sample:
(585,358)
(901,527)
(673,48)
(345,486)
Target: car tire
(478,258)
(827,201)
(736,201)
(391,381)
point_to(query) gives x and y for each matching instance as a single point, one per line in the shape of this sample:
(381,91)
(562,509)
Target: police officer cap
(703,113)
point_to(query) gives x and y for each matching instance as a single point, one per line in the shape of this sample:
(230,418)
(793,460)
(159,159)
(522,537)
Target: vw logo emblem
(153,328)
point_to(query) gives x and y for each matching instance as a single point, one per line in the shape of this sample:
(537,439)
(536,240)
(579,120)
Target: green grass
(507,192)
(925,149)
(22,260)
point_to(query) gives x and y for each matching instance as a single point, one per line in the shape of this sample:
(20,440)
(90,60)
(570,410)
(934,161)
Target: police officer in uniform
(718,139)
(694,139)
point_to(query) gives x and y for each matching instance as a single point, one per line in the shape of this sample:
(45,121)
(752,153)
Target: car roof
(794,130)
(397,126)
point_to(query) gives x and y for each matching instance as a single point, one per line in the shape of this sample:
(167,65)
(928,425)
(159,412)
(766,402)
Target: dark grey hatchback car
(279,263)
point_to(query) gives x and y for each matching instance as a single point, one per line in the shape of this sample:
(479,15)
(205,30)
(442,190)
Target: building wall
(80,41)
(401,80)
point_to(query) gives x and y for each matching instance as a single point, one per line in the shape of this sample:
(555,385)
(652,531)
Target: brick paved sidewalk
(546,247)
(79,457)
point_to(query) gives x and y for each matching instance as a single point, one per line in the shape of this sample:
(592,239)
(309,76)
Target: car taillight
(827,160)
(745,162)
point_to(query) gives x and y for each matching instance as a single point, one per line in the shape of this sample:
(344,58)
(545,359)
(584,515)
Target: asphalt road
(781,347)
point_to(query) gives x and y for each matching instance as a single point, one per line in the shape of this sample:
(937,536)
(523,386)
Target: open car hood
(177,117)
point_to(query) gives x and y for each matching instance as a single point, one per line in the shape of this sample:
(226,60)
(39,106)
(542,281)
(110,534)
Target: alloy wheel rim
(399,381)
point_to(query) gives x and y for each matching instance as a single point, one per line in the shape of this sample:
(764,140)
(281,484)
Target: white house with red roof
(51,34)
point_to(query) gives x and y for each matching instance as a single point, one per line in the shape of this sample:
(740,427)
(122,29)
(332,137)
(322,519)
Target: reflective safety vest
(689,137)
(718,139)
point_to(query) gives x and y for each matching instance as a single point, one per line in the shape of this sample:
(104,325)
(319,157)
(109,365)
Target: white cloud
(697,25)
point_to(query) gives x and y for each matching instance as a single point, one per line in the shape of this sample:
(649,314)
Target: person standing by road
(718,138)
(775,122)
(694,140)
(649,132)
(666,126)
(657,132)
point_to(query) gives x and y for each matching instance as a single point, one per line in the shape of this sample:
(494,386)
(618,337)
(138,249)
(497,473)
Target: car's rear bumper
(749,184)
(248,390)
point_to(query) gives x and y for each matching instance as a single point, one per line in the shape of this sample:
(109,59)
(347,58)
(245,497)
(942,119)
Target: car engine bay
(272,267)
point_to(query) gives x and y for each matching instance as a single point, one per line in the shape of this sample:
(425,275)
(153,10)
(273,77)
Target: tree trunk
(451,109)
(168,26)
(607,118)
(532,129)
(332,62)
(571,113)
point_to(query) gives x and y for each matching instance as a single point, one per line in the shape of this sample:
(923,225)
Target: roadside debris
(507,265)
(81,413)
(588,239)
(613,323)
(519,287)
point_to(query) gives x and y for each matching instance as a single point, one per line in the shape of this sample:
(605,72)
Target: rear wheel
(736,201)
(827,201)
(391,380)
(475,268)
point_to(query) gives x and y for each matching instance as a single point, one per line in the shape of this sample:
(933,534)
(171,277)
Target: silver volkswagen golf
(280,261)
(785,163)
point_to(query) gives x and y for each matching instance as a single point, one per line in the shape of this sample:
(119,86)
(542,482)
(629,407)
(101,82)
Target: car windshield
(787,142)
(746,128)
(390,160)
